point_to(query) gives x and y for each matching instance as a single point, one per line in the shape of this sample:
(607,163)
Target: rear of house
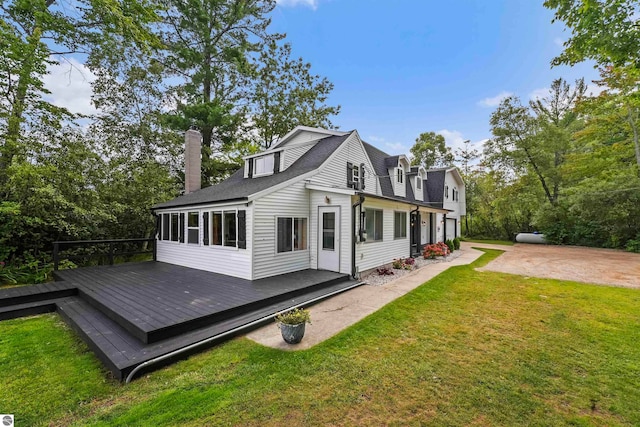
(318,199)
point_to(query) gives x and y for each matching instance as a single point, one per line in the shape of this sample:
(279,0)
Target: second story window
(263,165)
(400,176)
(356,175)
(446,191)
(418,183)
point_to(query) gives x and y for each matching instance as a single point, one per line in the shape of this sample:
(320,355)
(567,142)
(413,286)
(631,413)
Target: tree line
(567,164)
(162,67)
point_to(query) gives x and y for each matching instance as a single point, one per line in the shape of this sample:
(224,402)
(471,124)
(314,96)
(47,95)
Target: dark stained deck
(131,313)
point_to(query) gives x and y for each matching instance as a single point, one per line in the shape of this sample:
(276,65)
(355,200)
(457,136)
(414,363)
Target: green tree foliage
(430,150)
(607,32)
(286,94)
(535,139)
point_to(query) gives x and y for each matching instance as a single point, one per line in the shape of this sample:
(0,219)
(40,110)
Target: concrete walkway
(343,310)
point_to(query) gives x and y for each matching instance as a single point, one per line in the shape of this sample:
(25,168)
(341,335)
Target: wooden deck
(131,313)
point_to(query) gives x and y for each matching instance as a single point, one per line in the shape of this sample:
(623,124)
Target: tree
(34,34)
(466,156)
(286,94)
(536,138)
(430,150)
(209,43)
(607,32)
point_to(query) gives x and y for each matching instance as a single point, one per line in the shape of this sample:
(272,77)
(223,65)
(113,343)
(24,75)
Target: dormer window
(418,183)
(446,191)
(263,165)
(400,176)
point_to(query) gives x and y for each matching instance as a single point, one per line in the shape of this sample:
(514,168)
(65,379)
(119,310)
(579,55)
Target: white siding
(292,201)
(302,137)
(448,203)
(319,198)
(217,259)
(292,154)
(334,173)
(374,254)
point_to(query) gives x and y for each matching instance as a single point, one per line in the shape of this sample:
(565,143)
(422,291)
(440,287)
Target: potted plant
(292,324)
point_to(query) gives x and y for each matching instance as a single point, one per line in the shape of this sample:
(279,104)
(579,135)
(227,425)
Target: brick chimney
(192,161)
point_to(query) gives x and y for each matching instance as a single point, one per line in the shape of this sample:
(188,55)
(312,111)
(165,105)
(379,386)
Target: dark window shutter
(362,176)
(158,226)
(181,228)
(276,162)
(250,174)
(242,229)
(205,228)
(349,174)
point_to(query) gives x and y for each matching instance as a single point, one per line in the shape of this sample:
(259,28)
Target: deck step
(122,352)
(28,309)
(142,327)
(34,293)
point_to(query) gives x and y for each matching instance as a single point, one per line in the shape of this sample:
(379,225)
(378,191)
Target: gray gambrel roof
(381,161)
(237,187)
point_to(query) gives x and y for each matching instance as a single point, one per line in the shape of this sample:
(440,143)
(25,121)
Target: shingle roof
(237,187)
(435,186)
(380,161)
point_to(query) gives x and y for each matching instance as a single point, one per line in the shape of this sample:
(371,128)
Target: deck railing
(111,249)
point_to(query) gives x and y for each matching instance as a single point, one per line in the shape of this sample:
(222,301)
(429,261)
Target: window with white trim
(223,229)
(446,191)
(291,234)
(399,175)
(193,227)
(175,229)
(263,165)
(166,226)
(373,224)
(418,182)
(399,225)
(355,176)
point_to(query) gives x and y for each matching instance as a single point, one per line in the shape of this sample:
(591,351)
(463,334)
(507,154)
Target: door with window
(329,238)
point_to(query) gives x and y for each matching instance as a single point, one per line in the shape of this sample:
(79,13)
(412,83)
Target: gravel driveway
(580,264)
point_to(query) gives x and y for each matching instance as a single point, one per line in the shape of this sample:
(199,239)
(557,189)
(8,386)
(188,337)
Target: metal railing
(111,245)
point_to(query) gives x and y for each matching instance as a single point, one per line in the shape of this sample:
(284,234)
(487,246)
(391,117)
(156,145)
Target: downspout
(412,238)
(358,204)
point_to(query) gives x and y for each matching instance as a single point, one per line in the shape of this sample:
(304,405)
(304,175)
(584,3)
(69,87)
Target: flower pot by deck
(292,334)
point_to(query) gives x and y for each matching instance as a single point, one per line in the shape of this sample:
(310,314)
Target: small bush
(294,317)
(449,244)
(397,264)
(384,271)
(633,245)
(456,243)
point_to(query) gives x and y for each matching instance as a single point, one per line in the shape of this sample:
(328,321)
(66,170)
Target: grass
(466,348)
(489,241)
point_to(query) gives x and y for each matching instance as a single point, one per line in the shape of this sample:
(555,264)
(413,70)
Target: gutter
(358,204)
(231,332)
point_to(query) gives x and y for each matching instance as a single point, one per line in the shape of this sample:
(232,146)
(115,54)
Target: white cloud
(558,42)
(455,140)
(540,93)
(595,90)
(383,144)
(70,85)
(494,101)
(313,4)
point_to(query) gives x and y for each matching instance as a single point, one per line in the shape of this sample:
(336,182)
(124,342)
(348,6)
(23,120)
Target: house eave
(209,203)
(419,203)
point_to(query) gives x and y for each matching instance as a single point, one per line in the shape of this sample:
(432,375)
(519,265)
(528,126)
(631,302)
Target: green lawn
(489,241)
(466,348)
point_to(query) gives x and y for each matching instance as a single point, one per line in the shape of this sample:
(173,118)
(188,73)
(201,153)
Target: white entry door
(329,238)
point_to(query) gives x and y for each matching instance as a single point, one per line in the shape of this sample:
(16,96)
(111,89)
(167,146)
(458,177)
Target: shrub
(409,261)
(449,244)
(633,245)
(397,263)
(456,243)
(435,250)
(384,271)
(294,317)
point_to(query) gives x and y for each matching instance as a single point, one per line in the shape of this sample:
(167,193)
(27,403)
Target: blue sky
(405,67)
(401,68)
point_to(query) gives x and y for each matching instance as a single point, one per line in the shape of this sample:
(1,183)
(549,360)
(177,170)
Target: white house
(318,199)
